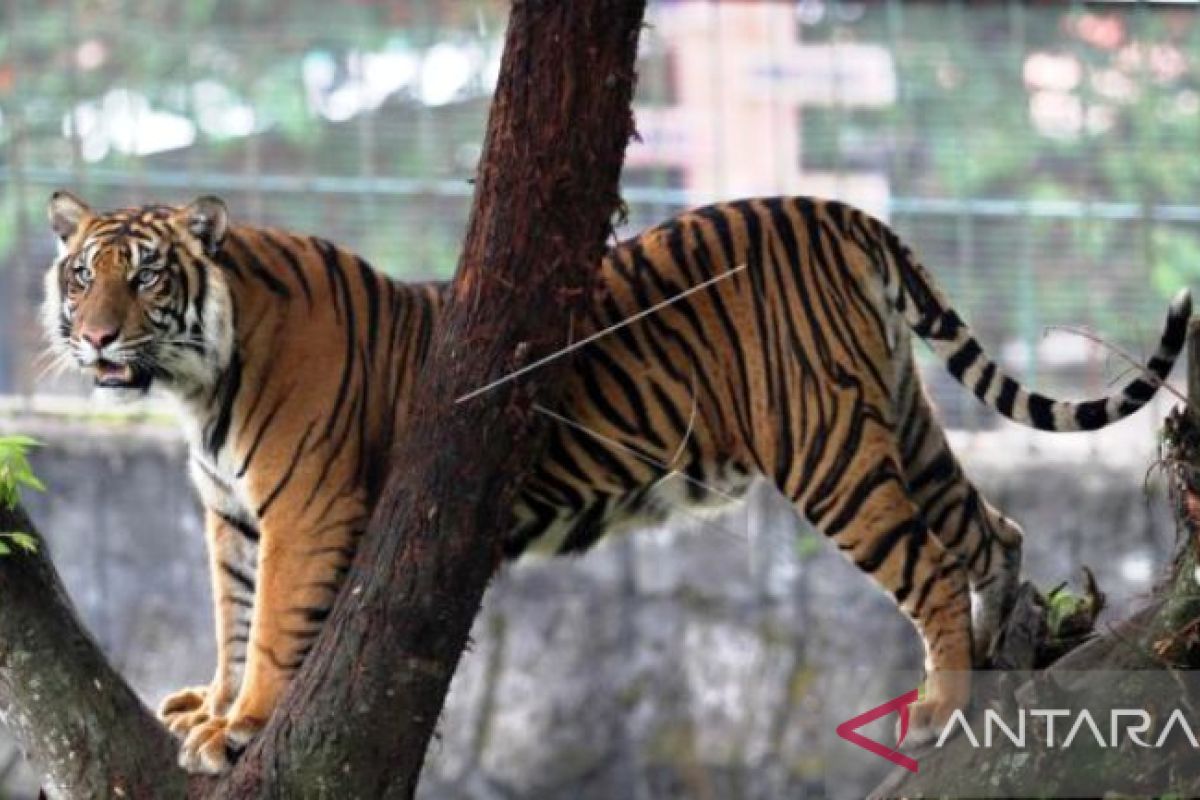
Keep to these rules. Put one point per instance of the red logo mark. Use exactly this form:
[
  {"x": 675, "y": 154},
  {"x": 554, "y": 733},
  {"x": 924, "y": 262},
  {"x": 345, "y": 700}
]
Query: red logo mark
[{"x": 848, "y": 730}]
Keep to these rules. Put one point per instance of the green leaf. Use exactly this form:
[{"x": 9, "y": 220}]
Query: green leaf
[
  {"x": 25, "y": 541},
  {"x": 15, "y": 469},
  {"x": 19, "y": 442},
  {"x": 5, "y": 549},
  {"x": 32, "y": 481}
]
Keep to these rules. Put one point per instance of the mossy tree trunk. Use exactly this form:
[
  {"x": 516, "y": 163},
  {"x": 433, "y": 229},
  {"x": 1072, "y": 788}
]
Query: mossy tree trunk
[{"x": 75, "y": 717}]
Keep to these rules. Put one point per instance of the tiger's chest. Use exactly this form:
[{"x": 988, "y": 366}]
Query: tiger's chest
[
  {"x": 219, "y": 486},
  {"x": 218, "y": 479}
]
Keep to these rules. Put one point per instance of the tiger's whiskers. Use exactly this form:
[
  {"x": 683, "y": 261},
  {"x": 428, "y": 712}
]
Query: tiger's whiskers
[{"x": 691, "y": 426}]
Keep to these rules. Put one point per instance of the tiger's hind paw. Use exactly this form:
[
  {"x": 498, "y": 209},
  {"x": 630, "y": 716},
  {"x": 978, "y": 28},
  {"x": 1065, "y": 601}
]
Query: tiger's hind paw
[
  {"x": 946, "y": 693},
  {"x": 927, "y": 720}
]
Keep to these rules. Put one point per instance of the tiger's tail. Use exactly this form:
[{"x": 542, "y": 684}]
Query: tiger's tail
[{"x": 927, "y": 311}]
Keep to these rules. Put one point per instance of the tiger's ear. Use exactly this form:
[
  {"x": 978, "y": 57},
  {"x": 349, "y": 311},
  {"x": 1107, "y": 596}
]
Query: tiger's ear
[
  {"x": 207, "y": 219},
  {"x": 66, "y": 211}
]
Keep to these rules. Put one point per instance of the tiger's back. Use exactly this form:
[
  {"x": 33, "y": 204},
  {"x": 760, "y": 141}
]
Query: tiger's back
[{"x": 718, "y": 386}]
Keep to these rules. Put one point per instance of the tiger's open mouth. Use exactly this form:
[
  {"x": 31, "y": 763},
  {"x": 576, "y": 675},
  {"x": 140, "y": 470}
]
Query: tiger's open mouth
[{"x": 110, "y": 375}]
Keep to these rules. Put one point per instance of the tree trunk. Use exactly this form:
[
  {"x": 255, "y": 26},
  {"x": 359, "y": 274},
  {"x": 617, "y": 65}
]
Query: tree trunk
[
  {"x": 547, "y": 190},
  {"x": 360, "y": 714}
]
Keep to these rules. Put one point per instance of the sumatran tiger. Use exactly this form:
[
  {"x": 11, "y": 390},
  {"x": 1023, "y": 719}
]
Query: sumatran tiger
[{"x": 293, "y": 363}]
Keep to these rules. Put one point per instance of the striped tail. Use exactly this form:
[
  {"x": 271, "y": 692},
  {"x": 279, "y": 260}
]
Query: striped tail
[{"x": 928, "y": 312}]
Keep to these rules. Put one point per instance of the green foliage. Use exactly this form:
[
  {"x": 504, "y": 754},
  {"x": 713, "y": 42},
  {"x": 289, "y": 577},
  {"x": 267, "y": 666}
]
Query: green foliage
[
  {"x": 963, "y": 125},
  {"x": 25, "y": 541},
  {"x": 15, "y": 474},
  {"x": 15, "y": 471},
  {"x": 1069, "y": 614},
  {"x": 976, "y": 84},
  {"x": 210, "y": 61},
  {"x": 1177, "y": 261}
]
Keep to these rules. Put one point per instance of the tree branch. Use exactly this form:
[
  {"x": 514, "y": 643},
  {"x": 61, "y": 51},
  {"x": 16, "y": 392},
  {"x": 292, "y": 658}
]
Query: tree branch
[{"x": 74, "y": 716}]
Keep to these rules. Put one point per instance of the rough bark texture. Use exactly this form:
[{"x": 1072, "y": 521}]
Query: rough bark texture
[
  {"x": 74, "y": 715},
  {"x": 547, "y": 191},
  {"x": 1100, "y": 668},
  {"x": 362, "y": 710}
]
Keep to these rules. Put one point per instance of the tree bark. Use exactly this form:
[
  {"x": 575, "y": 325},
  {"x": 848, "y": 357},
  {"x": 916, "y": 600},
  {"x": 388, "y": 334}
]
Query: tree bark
[
  {"x": 547, "y": 190},
  {"x": 74, "y": 716},
  {"x": 360, "y": 714}
]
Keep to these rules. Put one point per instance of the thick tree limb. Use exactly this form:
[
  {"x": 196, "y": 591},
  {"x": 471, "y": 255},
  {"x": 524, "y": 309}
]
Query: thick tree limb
[
  {"x": 74, "y": 715},
  {"x": 363, "y": 708}
]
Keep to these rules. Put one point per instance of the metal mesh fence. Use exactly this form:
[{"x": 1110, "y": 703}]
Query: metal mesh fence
[{"x": 1038, "y": 156}]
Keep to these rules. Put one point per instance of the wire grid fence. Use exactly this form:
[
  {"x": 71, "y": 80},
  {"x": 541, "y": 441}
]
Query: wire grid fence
[{"x": 1037, "y": 156}]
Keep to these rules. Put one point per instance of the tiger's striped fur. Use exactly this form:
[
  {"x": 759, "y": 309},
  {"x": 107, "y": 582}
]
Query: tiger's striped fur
[{"x": 797, "y": 368}]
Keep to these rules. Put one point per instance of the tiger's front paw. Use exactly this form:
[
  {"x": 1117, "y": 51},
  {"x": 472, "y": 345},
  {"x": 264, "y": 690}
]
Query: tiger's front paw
[
  {"x": 212, "y": 746},
  {"x": 184, "y": 710}
]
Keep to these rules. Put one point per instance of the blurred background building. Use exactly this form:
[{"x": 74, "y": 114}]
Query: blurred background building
[{"x": 1039, "y": 156}]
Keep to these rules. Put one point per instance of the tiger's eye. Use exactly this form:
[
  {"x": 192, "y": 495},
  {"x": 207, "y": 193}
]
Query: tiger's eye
[{"x": 147, "y": 278}]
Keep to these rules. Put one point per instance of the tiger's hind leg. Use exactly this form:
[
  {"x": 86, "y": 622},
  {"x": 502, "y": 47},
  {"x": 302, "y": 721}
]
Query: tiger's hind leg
[
  {"x": 987, "y": 542},
  {"x": 989, "y": 545},
  {"x": 875, "y": 523}
]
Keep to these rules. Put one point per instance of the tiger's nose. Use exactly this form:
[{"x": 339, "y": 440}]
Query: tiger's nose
[{"x": 99, "y": 337}]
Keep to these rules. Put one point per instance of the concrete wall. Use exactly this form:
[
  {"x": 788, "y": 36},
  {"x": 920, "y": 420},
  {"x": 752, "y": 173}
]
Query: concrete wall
[{"x": 711, "y": 660}]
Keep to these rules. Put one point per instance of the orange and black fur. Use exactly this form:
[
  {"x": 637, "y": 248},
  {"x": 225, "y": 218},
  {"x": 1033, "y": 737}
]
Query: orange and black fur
[{"x": 293, "y": 363}]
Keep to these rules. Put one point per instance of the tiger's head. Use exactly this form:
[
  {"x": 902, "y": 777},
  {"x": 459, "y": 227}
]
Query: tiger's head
[{"x": 135, "y": 297}]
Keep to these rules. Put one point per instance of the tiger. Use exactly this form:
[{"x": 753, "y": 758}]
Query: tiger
[{"x": 762, "y": 338}]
